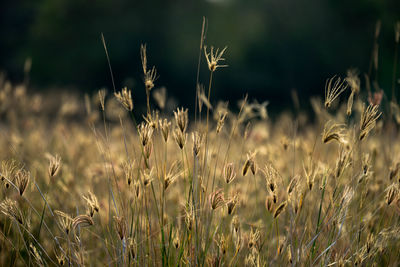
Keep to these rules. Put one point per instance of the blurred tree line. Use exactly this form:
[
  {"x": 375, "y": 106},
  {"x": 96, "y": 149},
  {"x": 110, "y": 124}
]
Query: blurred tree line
[{"x": 273, "y": 46}]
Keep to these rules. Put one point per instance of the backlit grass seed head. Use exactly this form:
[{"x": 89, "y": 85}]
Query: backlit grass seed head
[
  {"x": 214, "y": 58},
  {"x": 102, "y": 96},
  {"x": 125, "y": 98},
  {"x": 9, "y": 208},
  {"x": 120, "y": 226},
  {"x": 8, "y": 169},
  {"x": 229, "y": 172},
  {"x": 172, "y": 175},
  {"x": 93, "y": 204},
  {"x": 392, "y": 193},
  {"x": 293, "y": 184},
  {"x": 150, "y": 75},
  {"x": 21, "y": 180},
  {"x": 180, "y": 138},
  {"x": 128, "y": 168},
  {"x": 197, "y": 142},
  {"x": 310, "y": 173},
  {"x": 254, "y": 239},
  {"x": 394, "y": 171},
  {"x": 152, "y": 119},
  {"x": 333, "y": 88},
  {"x": 64, "y": 220},
  {"x": 60, "y": 256},
  {"x": 217, "y": 199},
  {"x": 333, "y": 131},
  {"x": 145, "y": 133},
  {"x": 231, "y": 204},
  {"x": 181, "y": 119},
  {"x": 221, "y": 121},
  {"x": 343, "y": 162},
  {"x": 269, "y": 203},
  {"x": 147, "y": 176},
  {"x": 36, "y": 255},
  {"x": 54, "y": 165},
  {"x": 280, "y": 209},
  {"x": 249, "y": 164},
  {"x": 82, "y": 221},
  {"x": 165, "y": 127},
  {"x": 368, "y": 120},
  {"x": 271, "y": 175}
]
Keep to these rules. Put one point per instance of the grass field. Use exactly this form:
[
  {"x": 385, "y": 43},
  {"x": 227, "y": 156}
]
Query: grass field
[{"x": 86, "y": 183}]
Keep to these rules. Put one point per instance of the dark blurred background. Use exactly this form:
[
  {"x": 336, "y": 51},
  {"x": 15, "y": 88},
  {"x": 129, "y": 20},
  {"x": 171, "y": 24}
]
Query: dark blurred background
[{"x": 273, "y": 46}]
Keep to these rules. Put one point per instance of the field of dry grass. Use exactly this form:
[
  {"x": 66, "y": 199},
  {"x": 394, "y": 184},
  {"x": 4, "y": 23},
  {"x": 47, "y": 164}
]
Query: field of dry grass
[{"x": 85, "y": 183}]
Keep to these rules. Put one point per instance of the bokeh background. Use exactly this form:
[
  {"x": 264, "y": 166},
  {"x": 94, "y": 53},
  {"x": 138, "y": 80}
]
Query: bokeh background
[{"x": 273, "y": 46}]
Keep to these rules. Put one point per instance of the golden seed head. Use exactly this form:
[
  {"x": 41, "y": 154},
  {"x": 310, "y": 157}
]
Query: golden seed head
[
  {"x": 180, "y": 137},
  {"x": 197, "y": 142},
  {"x": 269, "y": 203},
  {"x": 8, "y": 170},
  {"x": 293, "y": 184},
  {"x": 102, "y": 96},
  {"x": 82, "y": 220},
  {"x": 21, "y": 180},
  {"x": 128, "y": 168},
  {"x": 93, "y": 204},
  {"x": 249, "y": 164},
  {"x": 120, "y": 226},
  {"x": 333, "y": 88},
  {"x": 9, "y": 208},
  {"x": 221, "y": 120},
  {"x": 368, "y": 120},
  {"x": 280, "y": 209},
  {"x": 214, "y": 58},
  {"x": 64, "y": 220},
  {"x": 229, "y": 172},
  {"x": 125, "y": 98},
  {"x": 54, "y": 165},
  {"x": 172, "y": 175},
  {"x": 147, "y": 176},
  {"x": 217, "y": 199},
  {"x": 392, "y": 193},
  {"x": 165, "y": 126},
  {"x": 344, "y": 160},
  {"x": 333, "y": 131},
  {"x": 181, "y": 119},
  {"x": 149, "y": 75},
  {"x": 145, "y": 133},
  {"x": 232, "y": 203},
  {"x": 394, "y": 171}
]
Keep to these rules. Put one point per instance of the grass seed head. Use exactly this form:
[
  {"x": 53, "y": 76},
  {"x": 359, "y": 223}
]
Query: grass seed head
[
  {"x": 54, "y": 165},
  {"x": 280, "y": 209},
  {"x": 214, "y": 58},
  {"x": 333, "y": 88},
  {"x": 22, "y": 178},
  {"x": 125, "y": 98},
  {"x": 368, "y": 120},
  {"x": 9, "y": 208},
  {"x": 181, "y": 119},
  {"x": 217, "y": 199},
  {"x": 229, "y": 172},
  {"x": 165, "y": 126},
  {"x": 180, "y": 138},
  {"x": 92, "y": 203}
]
